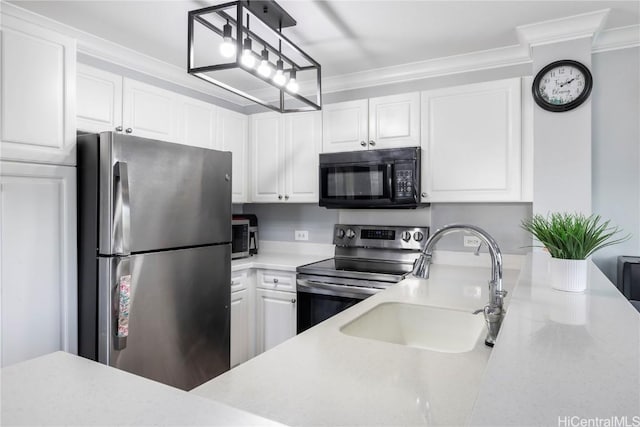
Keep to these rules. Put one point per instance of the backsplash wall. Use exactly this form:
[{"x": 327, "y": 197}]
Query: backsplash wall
[{"x": 278, "y": 222}]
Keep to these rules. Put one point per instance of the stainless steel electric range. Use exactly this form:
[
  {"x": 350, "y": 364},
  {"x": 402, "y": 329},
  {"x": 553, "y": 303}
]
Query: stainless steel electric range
[{"x": 368, "y": 259}]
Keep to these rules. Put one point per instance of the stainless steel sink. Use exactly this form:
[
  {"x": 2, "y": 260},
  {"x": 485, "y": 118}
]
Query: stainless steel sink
[{"x": 419, "y": 326}]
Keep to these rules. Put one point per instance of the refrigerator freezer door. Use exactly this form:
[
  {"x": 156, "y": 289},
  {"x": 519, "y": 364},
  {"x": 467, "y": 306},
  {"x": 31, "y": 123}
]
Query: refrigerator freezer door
[
  {"x": 178, "y": 314},
  {"x": 178, "y": 196}
]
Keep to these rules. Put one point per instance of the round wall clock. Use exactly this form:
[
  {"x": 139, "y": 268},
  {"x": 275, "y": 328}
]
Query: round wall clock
[{"x": 562, "y": 85}]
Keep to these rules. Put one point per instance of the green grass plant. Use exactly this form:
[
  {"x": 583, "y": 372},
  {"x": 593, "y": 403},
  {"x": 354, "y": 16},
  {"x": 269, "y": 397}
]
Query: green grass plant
[{"x": 572, "y": 235}]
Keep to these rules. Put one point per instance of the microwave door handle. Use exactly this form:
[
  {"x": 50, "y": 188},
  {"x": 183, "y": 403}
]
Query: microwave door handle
[
  {"x": 122, "y": 211},
  {"x": 390, "y": 181}
]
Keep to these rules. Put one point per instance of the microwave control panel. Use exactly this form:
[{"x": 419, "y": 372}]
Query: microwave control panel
[{"x": 404, "y": 180}]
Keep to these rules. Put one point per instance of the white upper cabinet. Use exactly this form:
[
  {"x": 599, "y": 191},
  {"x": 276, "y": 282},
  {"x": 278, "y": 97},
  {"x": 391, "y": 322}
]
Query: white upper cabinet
[
  {"x": 38, "y": 69},
  {"x": 38, "y": 258},
  {"x": 345, "y": 126},
  {"x": 383, "y": 122},
  {"x": 471, "y": 143},
  {"x": 394, "y": 121},
  {"x": 198, "y": 123},
  {"x": 149, "y": 111},
  {"x": 99, "y": 100},
  {"x": 302, "y": 140},
  {"x": 284, "y": 151},
  {"x": 232, "y": 135},
  {"x": 267, "y": 180}
]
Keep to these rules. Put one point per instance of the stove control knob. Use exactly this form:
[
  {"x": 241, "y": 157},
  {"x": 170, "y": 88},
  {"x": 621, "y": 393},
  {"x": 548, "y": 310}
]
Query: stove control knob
[
  {"x": 406, "y": 236},
  {"x": 351, "y": 234},
  {"x": 418, "y": 236},
  {"x": 340, "y": 233}
]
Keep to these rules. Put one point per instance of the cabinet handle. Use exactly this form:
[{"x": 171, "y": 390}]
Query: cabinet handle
[
  {"x": 279, "y": 196},
  {"x": 275, "y": 280},
  {"x": 286, "y": 197},
  {"x": 128, "y": 130},
  {"x": 363, "y": 143},
  {"x": 293, "y": 300},
  {"x": 118, "y": 128},
  {"x": 424, "y": 194},
  {"x": 233, "y": 282},
  {"x": 372, "y": 143}
]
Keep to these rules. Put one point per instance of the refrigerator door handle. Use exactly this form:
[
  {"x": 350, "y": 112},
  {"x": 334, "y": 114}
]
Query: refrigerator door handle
[
  {"x": 122, "y": 304},
  {"x": 121, "y": 214}
]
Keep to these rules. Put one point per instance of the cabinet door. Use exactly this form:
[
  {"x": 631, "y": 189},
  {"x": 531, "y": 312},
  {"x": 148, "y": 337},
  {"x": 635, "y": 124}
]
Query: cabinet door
[
  {"x": 302, "y": 140},
  {"x": 99, "y": 100},
  {"x": 38, "y": 81},
  {"x": 38, "y": 249},
  {"x": 471, "y": 143},
  {"x": 267, "y": 182},
  {"x": 239, "y": 327},
  {"x": 198, "y": 121},
  {"x": 394, "y": 121},
  {"x": 232, "y": 132},
  {"x": 276, "y": 318},
  {"x": 345, "y": 126},
  {"x": 149, "y": 111}
]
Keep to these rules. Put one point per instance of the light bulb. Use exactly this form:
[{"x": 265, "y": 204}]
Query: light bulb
[
  {"x": 279, "y": 78},
  {"x": 227, "y": 48},
  {"x": 248, "y": 60},
  {"x": 292, "y": 86},
  {"x": 265, "y": 68}
]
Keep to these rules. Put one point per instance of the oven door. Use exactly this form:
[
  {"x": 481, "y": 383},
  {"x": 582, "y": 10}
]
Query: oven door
[
  {"x": 356, "y": 184},
  {"x": 318, "y": 301}
]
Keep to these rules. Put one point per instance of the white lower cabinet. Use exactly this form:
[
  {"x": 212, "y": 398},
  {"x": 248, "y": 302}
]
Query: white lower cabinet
[
  {"x": 242, "y": 317},
  {"x": 275, "y": 318},
  {"x": 38, "y": 258},
  {"x": 239, "y": 327},
  {"x": 275, "y": 308}
]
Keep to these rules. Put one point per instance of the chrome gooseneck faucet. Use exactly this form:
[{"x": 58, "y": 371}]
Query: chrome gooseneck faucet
[{"x": 493, "y": 311}]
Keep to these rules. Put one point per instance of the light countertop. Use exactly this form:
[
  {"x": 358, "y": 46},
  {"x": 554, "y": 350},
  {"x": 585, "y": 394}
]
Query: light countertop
[
  {"x": 324, "y": 377},
  {"x": 562, "y": 354},
  {"x": 558, "y": 355},
  {"x": 284, "y": 256},
  {"x": 63, "y": 389}
]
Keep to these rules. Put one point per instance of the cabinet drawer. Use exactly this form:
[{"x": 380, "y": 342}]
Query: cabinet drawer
[
  {"x": 278, "y": 280},
  {"x": 239, "y": 280}
]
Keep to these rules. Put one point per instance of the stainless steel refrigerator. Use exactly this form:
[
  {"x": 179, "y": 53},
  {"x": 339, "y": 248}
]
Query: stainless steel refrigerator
[{"x": 154, "y": 257}]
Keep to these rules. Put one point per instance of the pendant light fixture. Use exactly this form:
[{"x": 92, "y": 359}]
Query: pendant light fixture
[
  {"x": 291, "y": 83},
  {"x": 248, "y": 58}
]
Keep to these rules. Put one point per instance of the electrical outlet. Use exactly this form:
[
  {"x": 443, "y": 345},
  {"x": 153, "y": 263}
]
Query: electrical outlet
[
  {"x": 301, "y": 235},
  {"x": 471, "y": 241}
]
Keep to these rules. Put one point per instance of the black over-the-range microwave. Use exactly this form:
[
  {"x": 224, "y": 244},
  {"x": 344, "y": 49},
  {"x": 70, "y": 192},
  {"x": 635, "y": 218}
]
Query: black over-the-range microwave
[{"x": 388, "y": 178}]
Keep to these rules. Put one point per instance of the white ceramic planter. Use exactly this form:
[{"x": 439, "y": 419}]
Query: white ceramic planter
[{"x": 568, "y": 274}]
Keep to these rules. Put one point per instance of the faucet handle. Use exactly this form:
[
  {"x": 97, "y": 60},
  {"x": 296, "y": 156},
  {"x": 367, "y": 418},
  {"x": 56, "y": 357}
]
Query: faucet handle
[{"x": 480, "y": 310}]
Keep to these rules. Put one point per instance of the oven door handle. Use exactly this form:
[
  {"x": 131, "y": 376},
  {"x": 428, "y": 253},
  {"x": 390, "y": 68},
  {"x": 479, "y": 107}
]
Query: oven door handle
[{"x": 314, "y": 287}]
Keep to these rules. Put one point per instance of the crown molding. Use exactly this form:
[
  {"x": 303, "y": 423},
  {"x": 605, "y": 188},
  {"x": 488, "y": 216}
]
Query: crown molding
[
  {"x": 562, "y": 29},
  {"x": 617, "y": 38},
  {"x": 557, "y": 30}
]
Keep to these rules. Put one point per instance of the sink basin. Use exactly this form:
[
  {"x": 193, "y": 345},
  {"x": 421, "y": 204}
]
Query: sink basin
[{"x": 431, "y": 328}]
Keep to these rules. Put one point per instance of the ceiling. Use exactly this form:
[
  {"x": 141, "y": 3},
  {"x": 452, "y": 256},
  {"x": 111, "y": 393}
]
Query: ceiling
[{"x": 344, "y": 36}]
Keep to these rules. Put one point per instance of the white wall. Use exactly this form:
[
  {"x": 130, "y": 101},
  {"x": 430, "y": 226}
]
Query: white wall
[
  {"x": 616, "y": 149},
  {"x": 562, "y": 142}
]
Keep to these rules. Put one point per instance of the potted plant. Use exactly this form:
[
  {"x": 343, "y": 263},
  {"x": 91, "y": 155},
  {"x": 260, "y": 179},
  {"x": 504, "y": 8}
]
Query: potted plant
[{"x": 571, "y": 238}]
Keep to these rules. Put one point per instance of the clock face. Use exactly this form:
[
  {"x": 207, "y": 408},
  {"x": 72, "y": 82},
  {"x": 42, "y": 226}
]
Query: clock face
[{"x": 562, "y": 85}]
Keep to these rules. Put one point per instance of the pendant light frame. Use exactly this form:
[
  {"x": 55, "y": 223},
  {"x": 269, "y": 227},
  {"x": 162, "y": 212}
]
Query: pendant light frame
[{"x": 274, "y": 19}]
